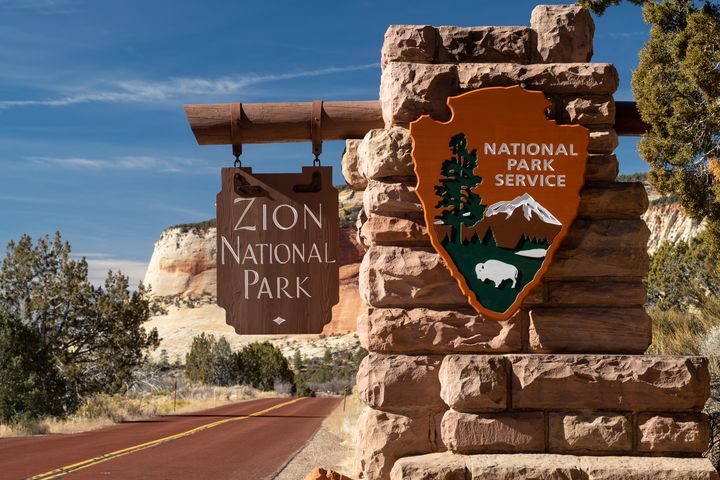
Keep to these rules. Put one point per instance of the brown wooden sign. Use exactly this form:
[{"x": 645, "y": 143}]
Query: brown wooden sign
[
  {"x": 500, "y": 186},
  {"x": 277, "y": 248}
]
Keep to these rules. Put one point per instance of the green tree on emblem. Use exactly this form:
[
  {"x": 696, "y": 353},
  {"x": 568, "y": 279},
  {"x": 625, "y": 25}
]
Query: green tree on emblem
[{"x": 460, "y": 204}]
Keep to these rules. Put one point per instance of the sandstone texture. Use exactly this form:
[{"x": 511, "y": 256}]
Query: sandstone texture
[
  {"x": 609, "y": 382},
  {"x": 396, "y": 199},
  {"x": 409, "y": 90},
  {"x": 564, "y": 33},
  {"x": 183, "y": 263},
  {"x": 422, "y": 330},
  {"x": 474, "y": 383},
  {"x": 679, "y": 433},
  {"x": 446, "y": 466},
  {"x": 589, "y": 110},
  {"x": 322, "y": 474},
  {"x": 498, "y": 432},
  {"x": 409, "y": 43},
  {"x": 385, "y": 153},
  {"x": 613, "y": 200},
  {"x": 669, "y": 222},
  {"x": 384, "y": 437},
  {"x": 589, "y": 433},
  {"x": 382, "y": 230},
  {"x": 401, "y": 276},
  {"x": 400, "y": 382},
  {"x": 629, "y": 292},
  {"x": 350, "y": 170},
  {"x": 601, "y": 168},
  {"x": 596, "y": 330},
  {"x": 484, "y": 44}
]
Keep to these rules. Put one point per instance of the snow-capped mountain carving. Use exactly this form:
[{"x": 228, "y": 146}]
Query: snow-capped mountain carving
[
  {"x": 512, "y": 220},
  {"x": 530, "y": 208}
]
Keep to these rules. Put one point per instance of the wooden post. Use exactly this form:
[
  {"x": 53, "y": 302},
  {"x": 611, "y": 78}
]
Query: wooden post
[
  {"x": 291, "y": 122},
  {"x": 175, "y": 395}
]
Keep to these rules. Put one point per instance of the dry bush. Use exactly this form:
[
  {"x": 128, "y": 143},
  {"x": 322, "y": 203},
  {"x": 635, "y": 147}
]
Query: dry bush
[{"x": 342, "y": 423}]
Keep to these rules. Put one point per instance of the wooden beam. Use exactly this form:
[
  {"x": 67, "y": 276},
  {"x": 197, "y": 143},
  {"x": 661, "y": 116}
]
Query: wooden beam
[
  {"x": 283, "y": 122},
  {"x": 290, "y": 122}
]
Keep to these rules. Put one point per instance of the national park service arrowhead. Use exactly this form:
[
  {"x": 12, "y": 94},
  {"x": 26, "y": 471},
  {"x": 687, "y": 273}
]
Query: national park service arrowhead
[{"x": 500, "y": 186}]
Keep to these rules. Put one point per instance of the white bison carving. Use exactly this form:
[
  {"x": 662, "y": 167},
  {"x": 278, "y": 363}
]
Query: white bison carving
[{"x": 496, "y": 271}]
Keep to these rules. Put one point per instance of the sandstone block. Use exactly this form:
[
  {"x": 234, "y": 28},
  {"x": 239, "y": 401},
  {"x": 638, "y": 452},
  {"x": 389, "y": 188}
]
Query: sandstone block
[
  {"x": 396, "y": 199},
  {"x": 603, "y": 140},
  {"x": 589, "y": 330},
  {"x": 564, "y": 33},
  {"x": 382, "y": 230},
  {"x": 500, "y": 432},
  {"x": 400, "y": 382},
  {"x": 613, "y": 200},
  {"x": 409, "y": 90},
  {"x": 434, "y": 466},
  {"x": 409, "y": 43},
  {"x": 609, "y": 382},
  {"x": 421, "y": 330},
  {"x": 562, "y": 78},
  {"x": 597, "y": 292},
  {"x": 589, "y": 433},
  {"x": 350, "y": 169},
  {"x": 484, "y": 44},
  {"x": 405, "y": 277},
  {"x": 602, "y": 248},
  {"x": 678, "y": 433},
  {"x": 384, "y": 437},
  {"x": 589, "y": 110},
  {"x": 601, "y": 168},
  {"x": 385, "y": 152},
  {"x": 474, "y": 383}
]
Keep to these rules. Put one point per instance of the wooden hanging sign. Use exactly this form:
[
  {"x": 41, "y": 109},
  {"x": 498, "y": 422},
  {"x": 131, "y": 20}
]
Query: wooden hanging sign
[
  {"x": 500, "y": 186},
  {"x": 277, "y": 250}
]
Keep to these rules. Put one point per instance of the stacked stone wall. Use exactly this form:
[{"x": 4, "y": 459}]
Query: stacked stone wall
[{"x": 562, "y": 384}]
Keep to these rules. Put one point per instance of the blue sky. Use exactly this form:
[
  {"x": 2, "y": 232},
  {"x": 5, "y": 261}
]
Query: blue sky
[{"x": 93, "y": 138}]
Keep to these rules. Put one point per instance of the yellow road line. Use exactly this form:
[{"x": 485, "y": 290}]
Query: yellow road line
[{"x": 58, "y": 472}]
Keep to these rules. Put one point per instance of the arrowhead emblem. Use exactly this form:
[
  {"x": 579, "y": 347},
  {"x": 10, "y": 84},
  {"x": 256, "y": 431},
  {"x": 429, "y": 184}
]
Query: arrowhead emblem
[
  {"x": 500, "y": 186},
  {"x": 279, "y": 320}
]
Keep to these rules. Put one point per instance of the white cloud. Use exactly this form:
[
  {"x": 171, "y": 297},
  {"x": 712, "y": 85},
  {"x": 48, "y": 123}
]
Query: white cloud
[
  {"x": 40, "y": 6},
  {"x": 99, "y": 264},
  {"x": 128, "y": 91},
  {"x": 140, "y": 162}
]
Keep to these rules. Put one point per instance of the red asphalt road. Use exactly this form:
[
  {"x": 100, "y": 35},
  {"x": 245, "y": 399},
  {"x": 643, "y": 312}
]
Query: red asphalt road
[{"x": 253, "y": 448}]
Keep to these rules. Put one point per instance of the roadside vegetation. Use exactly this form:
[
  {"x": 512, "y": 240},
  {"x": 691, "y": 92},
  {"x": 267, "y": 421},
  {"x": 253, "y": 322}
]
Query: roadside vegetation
[
  {"x": 75, "y": 357},
  {"x": 684, "y": 304}
]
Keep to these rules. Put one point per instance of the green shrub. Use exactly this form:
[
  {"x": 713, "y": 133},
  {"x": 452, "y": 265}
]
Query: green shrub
[
  {"x": 262, "y": 365},
  {"x": 31, "y": 386}
]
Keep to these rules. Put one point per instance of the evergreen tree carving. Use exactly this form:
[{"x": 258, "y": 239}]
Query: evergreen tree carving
[{"x": 460, "y": 204}]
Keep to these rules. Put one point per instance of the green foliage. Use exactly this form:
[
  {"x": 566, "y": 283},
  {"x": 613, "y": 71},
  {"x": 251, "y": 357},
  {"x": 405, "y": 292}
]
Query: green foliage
[
  {"x": 261, "y": 365},
  {"x": 682, "y": 275},
  {"x": 187, "y": 227},
  {"x": 460, "y": 204},
  {"x": 297, "y": 361},
  {"x": 332, "y": 372},
  {"x": 31, "y": 386},
  {"x": 599, "y": 6},
  {"x": 95, "y": 335},
  {"x": 632, "y": 177},
  {"x": 677, "y": 88}
]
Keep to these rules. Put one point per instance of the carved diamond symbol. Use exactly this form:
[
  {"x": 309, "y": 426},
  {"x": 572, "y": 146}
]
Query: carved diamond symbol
[{"x": 279, "y": 320}]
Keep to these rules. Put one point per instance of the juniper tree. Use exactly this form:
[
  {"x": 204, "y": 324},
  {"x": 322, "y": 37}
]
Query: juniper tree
[
  {"x": 460, "y": 204},
  {"x": 677, "y": 88},
  {"x": 94, "y": 335}
]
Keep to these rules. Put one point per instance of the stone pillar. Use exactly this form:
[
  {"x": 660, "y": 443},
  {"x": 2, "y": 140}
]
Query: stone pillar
[{"x": 561, "y": 389}]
